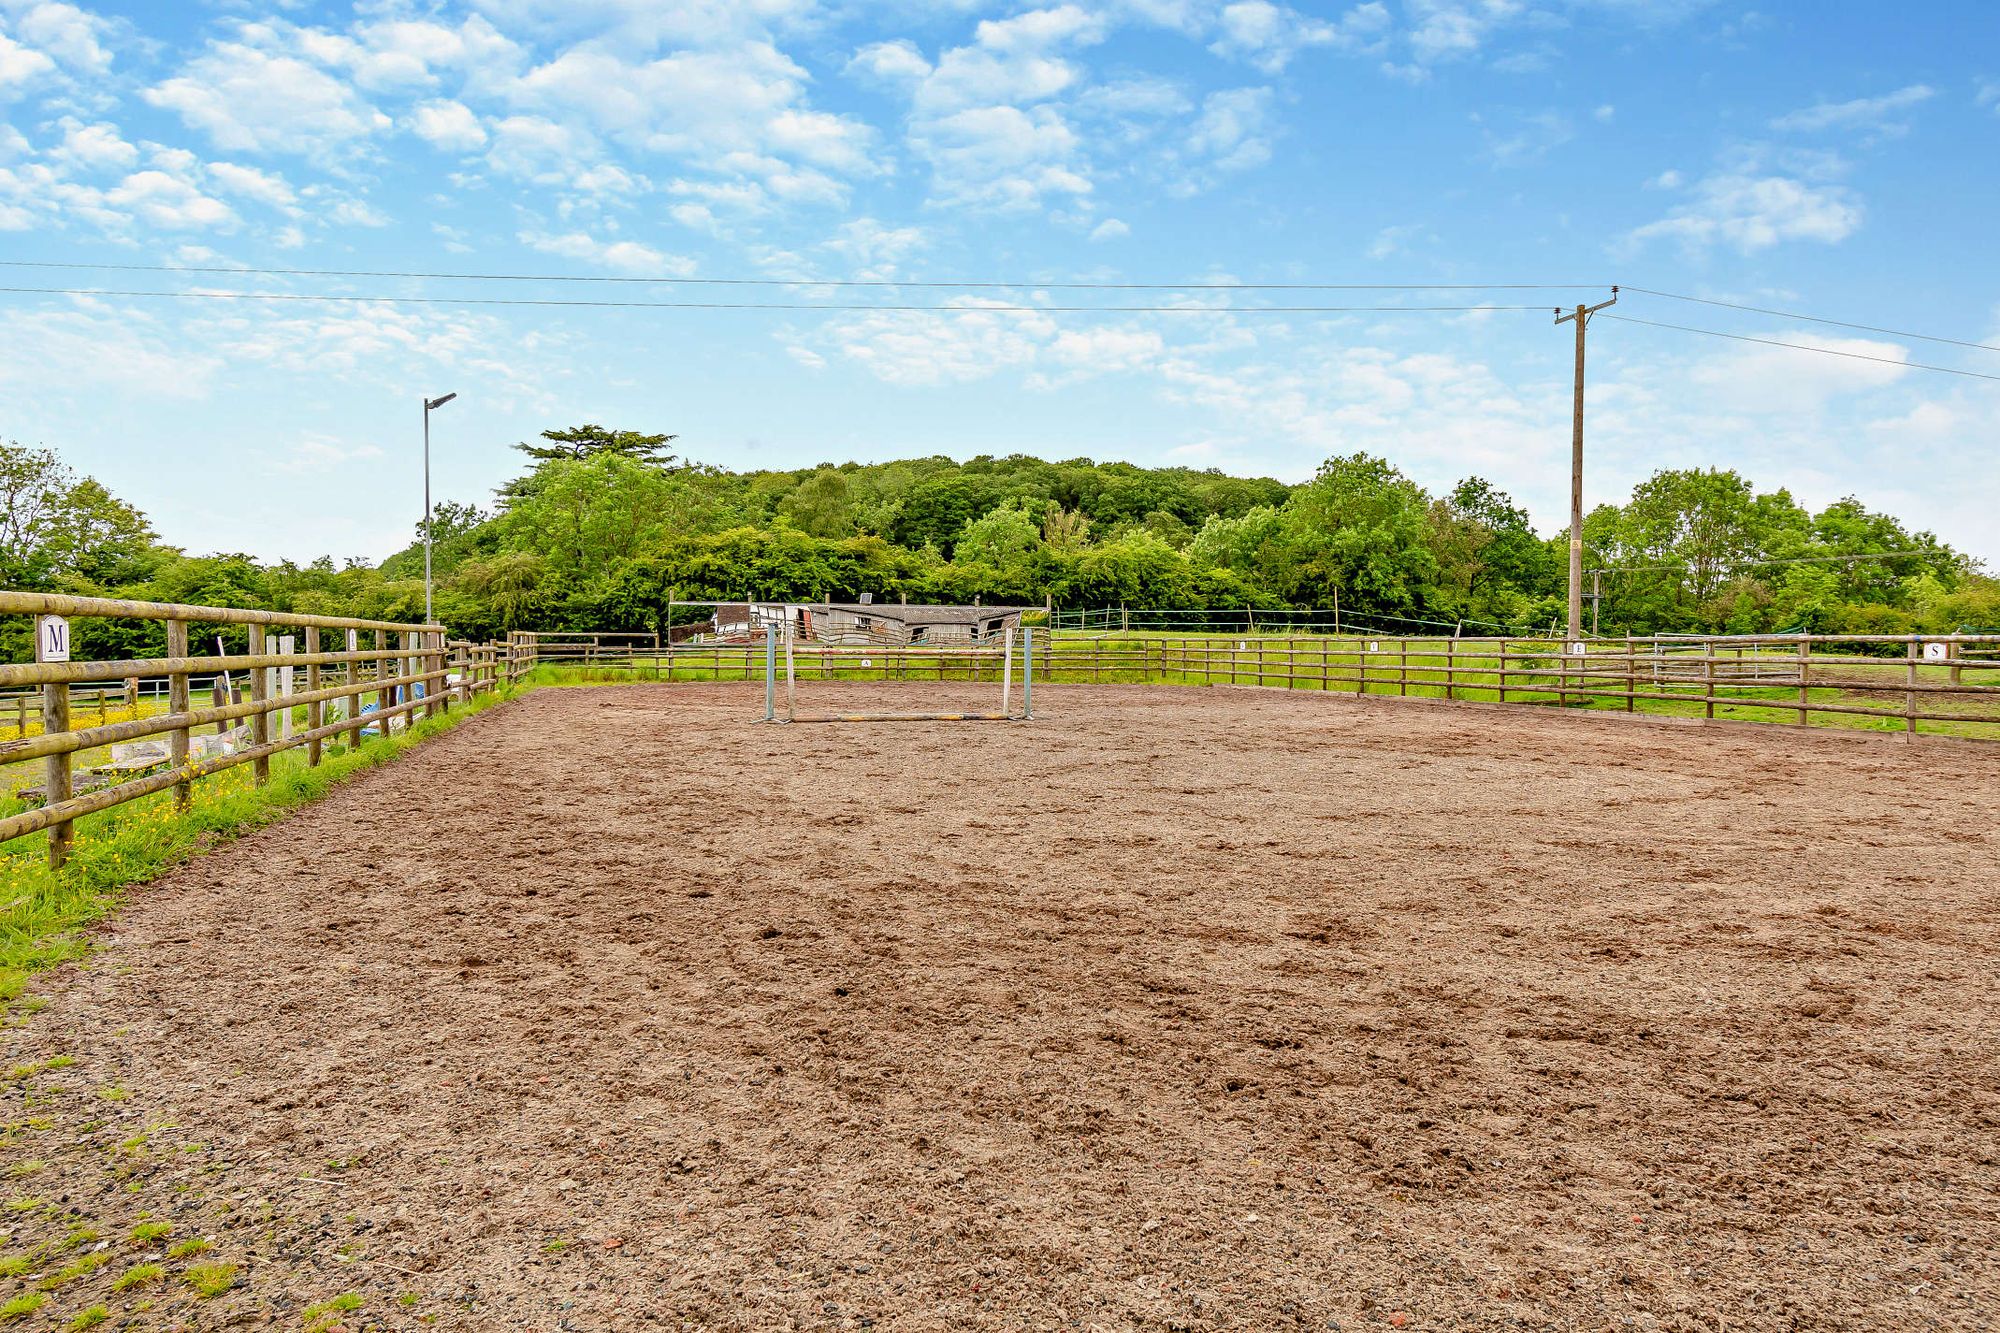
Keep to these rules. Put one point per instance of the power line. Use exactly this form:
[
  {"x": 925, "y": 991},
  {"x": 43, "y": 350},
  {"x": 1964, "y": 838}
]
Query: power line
[
  {"x": 1803, "y": 347},
  {"x": 1815, "y": 319},
  {"x": 1758, "y": 562},
  {"x": 818, "y": 282},
  {"x": 782, "y": 305}
]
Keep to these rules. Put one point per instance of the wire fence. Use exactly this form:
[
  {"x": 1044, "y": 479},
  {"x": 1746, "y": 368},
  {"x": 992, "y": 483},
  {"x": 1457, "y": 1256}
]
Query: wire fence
[
  {"x": 1259, "y": 620},
  {"x": 1944, "y": 685}
]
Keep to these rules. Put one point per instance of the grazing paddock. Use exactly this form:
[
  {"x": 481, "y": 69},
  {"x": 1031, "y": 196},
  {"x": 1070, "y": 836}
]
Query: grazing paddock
[{"x": 1180, "y": 1008}]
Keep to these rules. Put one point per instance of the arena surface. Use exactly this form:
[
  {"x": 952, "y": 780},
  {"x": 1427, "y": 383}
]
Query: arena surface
[{"x": 1179, "y": 1008}]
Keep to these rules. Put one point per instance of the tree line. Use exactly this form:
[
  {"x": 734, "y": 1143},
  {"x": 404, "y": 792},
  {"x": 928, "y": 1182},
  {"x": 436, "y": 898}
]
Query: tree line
[{"x": 605, "y": 529}]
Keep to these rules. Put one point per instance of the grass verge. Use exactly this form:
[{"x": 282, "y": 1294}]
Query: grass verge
[{"x": 43, "y": 913}]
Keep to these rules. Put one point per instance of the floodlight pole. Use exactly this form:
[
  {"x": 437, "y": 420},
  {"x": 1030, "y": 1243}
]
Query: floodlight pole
[
  {"x": 429, "y": 405},
  {"x": 1581, "y": 315}
]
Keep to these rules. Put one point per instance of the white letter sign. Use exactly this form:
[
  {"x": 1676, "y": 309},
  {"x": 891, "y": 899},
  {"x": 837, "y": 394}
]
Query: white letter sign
[{"x": 51, "y": 639}]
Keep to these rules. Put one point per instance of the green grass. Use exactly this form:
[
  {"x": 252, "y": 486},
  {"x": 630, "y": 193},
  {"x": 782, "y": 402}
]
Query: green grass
[
  {"x": 76, "y": 1268},
  {"x": 43, "y": 913},
  {"x": 146, "y": 1233},
  {"x": 140, "y": 1276},
  {"x": 23, "y": 1305},
  {"x": 90, "y": 1318},
  {"x": 210, "y": 1280},
  {"x": 325, "y": 1315}
]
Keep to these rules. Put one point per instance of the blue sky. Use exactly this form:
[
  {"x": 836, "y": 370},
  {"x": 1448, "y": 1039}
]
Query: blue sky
[{"x": 1834, "y": 158}]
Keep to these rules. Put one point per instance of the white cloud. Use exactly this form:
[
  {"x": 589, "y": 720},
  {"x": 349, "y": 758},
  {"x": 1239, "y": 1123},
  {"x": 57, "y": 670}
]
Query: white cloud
[
  {"x": 920, "y": 349},
  {"x": 739, "y": 114},
  {"x": 1451, "y": 29},
  {"x": 448, "y": 125},
  {"x": 320, "y": 454},
  {"x": 1756, "y": 378},
  {"x": 405, "y": 55},
  {"x": 540, "y": 150},
  {"x": 356, "y": 213},
  {"x": 249, "y": 183},
  {"x": 251, "y": 100},
  {"x": 622, "y": 256},
  {"x": 1526, "y": 138},
  {"x": 1879, "y": 115},
  {"x": 19, "y": 64},
  {"x": 1752, "y": 213},
  {"x": 1111, "y": 229},
  {"x": 890, "y": 62},
  {"x": 67, "y": 33},
  {"x": 1269, "y": 35},
  {"x": 876, "y": 248},
  {"x": 1233, "y": 130},
  {"x": 1003, "y": 155},
  {"x": 1392, "y": 241},
  {"x": 94, "y": 147},
  {"x": 169, "y": 202}
]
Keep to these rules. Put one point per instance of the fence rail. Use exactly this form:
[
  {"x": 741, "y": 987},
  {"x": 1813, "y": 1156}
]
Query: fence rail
[
  {"x": 1906, "y": 683},
  {"x": 409, "y": 669}
]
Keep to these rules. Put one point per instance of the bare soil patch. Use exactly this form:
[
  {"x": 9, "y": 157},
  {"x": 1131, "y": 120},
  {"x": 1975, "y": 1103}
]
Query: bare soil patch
[{"x": 1203, "y": 1009}]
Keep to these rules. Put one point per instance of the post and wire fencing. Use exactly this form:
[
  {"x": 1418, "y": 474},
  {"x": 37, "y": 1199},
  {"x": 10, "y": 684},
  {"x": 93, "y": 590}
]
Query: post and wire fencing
[
  {"x": 1911, "y": 685},
  {"x": 358, "y": 678}
]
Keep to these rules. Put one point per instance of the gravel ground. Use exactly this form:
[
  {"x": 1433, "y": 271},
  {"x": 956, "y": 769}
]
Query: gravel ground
[{"x": 1178, "y": 1008}]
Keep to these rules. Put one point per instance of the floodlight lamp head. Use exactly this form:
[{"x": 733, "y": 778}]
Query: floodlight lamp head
[{"x": 433, "y": 403}]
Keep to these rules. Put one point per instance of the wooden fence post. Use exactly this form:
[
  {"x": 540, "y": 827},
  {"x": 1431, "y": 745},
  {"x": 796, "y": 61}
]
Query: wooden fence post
[
  {"x": 1910, "y": 694},
  {"x": 178, "y": 702},
  {"x": 1708, "y": 680},
  {"x": 260, "y": 694},
  {"x": 56, "y": 767},
  {"x": 1805, "y": 657},
  {"x": 435, "y": 688},
  {"x": 315, "y": 709},
  {"x": 1631, "y": 675},
  {"x": 1451, "y": 667}
]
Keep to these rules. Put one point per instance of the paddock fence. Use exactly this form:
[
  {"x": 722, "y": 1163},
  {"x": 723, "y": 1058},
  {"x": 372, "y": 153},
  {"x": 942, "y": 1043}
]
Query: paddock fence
[
  {"x": 1910, "y": 684},
  {"x": 151, "y": 735}
]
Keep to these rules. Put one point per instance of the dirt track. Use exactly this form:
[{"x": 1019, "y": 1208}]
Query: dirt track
[{"x": 1179, "y": 1008}]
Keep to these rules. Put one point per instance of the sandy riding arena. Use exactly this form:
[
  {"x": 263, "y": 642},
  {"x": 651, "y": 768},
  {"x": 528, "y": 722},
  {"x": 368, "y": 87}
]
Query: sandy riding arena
[{"x": 1176, "y": 1009}]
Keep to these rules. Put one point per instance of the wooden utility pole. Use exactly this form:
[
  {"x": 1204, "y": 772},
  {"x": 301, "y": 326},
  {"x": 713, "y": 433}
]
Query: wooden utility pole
[{"x": 1581, "y": 315}]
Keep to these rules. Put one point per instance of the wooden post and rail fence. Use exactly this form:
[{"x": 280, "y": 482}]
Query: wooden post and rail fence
[
  {"x": 408, "y": 669},
  {"x": 1908, "y": 682}
]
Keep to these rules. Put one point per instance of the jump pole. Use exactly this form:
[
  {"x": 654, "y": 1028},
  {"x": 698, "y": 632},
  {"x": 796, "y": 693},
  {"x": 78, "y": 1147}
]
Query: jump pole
[
  {"x": 1006, "y": 669},
  {"x": 770, "y": 672}
]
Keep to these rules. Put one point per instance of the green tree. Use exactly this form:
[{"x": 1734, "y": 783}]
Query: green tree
[
  {"x": 1359, "y": 528},
  {"x": 822, "y": 506},
  {"x": 577, "y": 443},
  {"x": 1005, "y": 538},
  {"x": 57, "y": 528}
]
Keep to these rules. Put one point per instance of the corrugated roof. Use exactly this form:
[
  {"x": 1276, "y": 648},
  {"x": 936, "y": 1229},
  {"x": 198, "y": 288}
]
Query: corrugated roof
[{"x": 927, "y": 615}]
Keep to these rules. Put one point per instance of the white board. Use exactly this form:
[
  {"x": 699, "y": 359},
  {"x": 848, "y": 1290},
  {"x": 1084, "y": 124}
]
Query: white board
[
  {"x": 1937, "y": 652},
  {"x": 287, "y": 644},
  {"x": 1374, "y": 645},
  {"x": 1579, "y": 649},
  {"x": 51, "y": 639}
]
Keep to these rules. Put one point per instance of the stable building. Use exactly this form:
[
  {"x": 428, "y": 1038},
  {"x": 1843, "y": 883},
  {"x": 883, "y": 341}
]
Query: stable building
[{"x": 901, "y": 624}]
